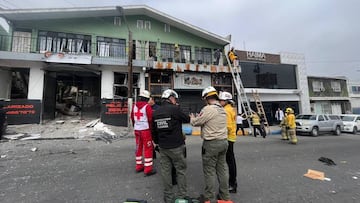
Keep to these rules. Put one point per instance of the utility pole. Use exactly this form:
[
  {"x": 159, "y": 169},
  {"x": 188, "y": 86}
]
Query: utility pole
[{"x": 130, "y": 67}]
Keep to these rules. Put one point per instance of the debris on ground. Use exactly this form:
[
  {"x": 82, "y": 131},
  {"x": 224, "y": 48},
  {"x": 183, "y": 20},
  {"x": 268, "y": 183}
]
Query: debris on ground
[
  {"x": 60, "y": 122},
  {"x": 3, "y": 156},
  {"x": 327, "y": 161},
  {"x": 355, "y": 178},
  {"x": 34, "y": 149},
  {"x": 313, "y": 174}
]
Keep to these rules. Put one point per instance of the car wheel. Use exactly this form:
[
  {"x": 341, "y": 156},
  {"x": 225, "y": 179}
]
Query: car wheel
[
  {"x": 354, "y": 130},
  {"x": 337, "y": 130},
  {"x": 315, "y": 131}
]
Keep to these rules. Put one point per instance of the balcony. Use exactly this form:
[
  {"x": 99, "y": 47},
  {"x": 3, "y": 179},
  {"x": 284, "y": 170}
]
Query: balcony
[{"x": 78, "y": 51}]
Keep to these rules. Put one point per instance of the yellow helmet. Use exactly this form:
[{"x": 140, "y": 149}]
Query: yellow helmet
[{"x": 289, "y": 110}]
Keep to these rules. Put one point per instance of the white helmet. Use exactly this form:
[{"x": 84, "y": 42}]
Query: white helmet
[
  {"x": 226, "y": 96},
  {"x": 168, "y": 93},
  {"x": 208, "y": 92},
  {"x": 145, "y": 94}
]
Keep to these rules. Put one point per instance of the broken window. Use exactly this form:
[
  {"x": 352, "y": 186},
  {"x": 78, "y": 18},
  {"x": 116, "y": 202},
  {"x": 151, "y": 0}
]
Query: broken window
[
  {"x": 203, "y": 55},
  {"x": 121, "y": 84},
  {"x": 19, "y": 84},
  {"x": 160, "y": 81},
  {"x": 111, "y": 47},
  {"x": 64, "y": 42}
]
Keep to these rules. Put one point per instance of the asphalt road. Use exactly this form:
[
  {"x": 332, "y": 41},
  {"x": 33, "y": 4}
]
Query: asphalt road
[{"x": 269, "y": 170}]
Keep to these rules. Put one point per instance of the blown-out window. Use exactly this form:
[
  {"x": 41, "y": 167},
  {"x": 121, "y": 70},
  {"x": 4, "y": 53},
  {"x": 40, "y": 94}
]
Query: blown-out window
[
  {"x": 203, "y": 55},
  {"x": 111, "y": 47},
  {"x": 64, "y": 42}
]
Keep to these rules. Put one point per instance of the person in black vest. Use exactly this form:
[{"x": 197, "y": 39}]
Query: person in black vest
[{"x": 167, "y": 133}]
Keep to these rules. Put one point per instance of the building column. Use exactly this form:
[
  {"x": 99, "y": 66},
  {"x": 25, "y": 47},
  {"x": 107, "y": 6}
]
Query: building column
[
  {"x": 36, "y": 83},
  {"x": 5, "y": 83},
  {"x": 107, "y": 84},
  {"x": 301, "y": 76}
]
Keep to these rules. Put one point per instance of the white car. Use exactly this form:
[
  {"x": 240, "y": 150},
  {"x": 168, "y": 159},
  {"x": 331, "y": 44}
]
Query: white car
[{"x": 351, "y": 122}]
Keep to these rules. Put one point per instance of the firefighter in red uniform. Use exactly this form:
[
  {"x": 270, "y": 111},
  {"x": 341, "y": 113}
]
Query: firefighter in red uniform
[{"x": 141, "y": 117}]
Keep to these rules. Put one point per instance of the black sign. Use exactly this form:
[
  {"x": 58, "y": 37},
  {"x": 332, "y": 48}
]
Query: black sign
[
  {"x": 114, "y": 112},
  {"x": 22, "y": 111}
]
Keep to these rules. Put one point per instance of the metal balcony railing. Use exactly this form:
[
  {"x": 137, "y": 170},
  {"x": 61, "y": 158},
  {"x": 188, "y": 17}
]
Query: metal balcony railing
[{"x": 101, "y": 49}]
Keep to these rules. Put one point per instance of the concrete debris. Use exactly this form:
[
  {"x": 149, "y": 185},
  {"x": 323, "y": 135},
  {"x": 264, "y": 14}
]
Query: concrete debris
[
  {"x": 34, "y": 149},
  {"x": 82, "y": 130},
  {"x": 75, "y": 121},
  {"x": 355, "y": 178},
  {"x": 3, "y": 156},
  {"x": 60, "y": 122},
  {"x": 101, "y": 127},
  {"x": 92, "y": 123},
  {"x": 23, "y": 136}
]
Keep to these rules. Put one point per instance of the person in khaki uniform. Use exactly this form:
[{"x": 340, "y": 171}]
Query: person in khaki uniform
[
  {"x": 291, "y": 126},
  {"x": 212, "y": 120}
]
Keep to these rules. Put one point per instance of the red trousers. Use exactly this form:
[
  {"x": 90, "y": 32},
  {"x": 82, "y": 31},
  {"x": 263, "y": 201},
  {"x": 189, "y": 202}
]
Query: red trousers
[{"x": 144, "y": 145}]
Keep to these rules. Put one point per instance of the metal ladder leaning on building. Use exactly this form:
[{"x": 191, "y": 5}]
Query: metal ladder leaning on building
[
  {"x": 260, "y": 109},
  {"x": 241, "y": 95}
]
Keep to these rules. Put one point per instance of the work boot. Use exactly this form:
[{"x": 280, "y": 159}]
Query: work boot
[
  {"x": 233, "y": 188},
  {"x": 153, "y": 172}
]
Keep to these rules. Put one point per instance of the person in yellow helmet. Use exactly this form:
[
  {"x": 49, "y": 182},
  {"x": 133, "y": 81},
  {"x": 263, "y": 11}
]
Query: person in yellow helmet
[
  {"x": 290, "y": 125},
  {"x": 256, "y": 123},
  {"x": 232, "y": 56}
]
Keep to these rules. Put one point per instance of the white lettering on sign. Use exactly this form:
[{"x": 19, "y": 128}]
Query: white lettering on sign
[{"x": 252, "y": 55}]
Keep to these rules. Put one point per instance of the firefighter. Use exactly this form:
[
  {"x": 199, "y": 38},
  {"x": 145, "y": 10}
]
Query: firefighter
[
  {"x": 232, "y": 56},
  {"x": 226, "y": 101},
  {"x": 256, "y": 123},
  {"x": 284, "y": 131},
  {"x": 212, "y": 119},
  {"x": 167, "y": 133},
  {"x": 141, "y": 117},
  {"x": 291, "y": 126}
]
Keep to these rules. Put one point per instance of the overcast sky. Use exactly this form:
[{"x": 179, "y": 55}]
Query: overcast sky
[{"x": 327, "y": 32}]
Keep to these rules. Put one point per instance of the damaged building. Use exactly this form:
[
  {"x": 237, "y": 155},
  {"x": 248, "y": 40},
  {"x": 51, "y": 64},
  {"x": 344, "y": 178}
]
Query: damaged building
[{"x": 75, "y": 61}]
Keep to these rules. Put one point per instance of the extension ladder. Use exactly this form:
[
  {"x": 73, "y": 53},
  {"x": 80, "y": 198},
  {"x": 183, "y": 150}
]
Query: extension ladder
[
  {"x": 241, "y": 95},
  {"x": 260, "y": 109}
]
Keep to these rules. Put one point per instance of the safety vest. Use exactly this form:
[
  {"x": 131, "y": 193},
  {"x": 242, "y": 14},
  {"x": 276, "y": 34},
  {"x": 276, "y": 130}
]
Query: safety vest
[{"x": 140, "y": 118}]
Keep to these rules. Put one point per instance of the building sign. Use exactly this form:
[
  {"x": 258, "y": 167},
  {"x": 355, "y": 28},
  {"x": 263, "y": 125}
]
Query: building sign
[
  {"x": 191, "y": 81},
  {"x": 67, "y": 58},
  {"x": 114, "y": 112},
  {"x": 22, "y": 111},
  {"x": 258, "y": 56}
]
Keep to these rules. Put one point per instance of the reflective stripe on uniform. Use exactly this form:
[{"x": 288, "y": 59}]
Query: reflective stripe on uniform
[
  {"x": 138, "y": 157},
  {"x": 148, "y": 159},
  {"x": 148, "y": 164}
]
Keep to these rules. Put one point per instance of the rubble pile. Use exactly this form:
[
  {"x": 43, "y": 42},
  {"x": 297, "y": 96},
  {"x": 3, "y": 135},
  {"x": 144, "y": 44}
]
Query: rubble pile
[{"x": 68, "y": 129}]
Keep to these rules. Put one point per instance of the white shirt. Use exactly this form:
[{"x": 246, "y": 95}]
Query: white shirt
[{"x": 239, "y": 119}]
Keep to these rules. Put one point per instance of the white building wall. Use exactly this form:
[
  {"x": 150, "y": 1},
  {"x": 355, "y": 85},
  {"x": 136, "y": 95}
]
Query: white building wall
[
  {"x": 5, "y": 84},
  {"x": 36, "y": 83},
  {"x": 107, "y": 82},
  {"x": 299, "y": 60}
]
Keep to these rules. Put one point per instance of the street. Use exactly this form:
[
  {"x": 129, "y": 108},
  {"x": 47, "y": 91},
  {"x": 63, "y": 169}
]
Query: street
[{"x": 269, "y": 170}]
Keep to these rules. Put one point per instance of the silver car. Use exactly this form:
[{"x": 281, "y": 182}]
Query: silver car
[
  {"x": 351, "y": 122},
  {"x": 313, "y": 124}
]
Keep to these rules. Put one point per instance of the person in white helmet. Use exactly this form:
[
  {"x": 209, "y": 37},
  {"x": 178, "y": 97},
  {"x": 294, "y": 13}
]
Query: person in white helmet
[
  {"x": 226, "y": 101},
  {"x": 141, "y": 117},
  {"x": 212, "y": 120},
  {"x": 167, "y": 133}
]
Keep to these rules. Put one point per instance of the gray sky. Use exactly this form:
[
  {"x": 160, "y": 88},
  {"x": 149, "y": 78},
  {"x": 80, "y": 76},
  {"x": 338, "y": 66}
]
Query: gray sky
[{"x": 326, "y": 31}]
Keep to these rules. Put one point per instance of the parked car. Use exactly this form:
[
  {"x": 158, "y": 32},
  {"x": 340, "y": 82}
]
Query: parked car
[
  {"x": 313, "y": 124},
  {"x": 351, "y": 122}
]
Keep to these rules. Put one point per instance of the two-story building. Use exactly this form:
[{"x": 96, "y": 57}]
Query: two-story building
[
  {"x": 328, "y": 95},
  {"x": 354, "y": 95},
  {"x": 75, "y": 61}
]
